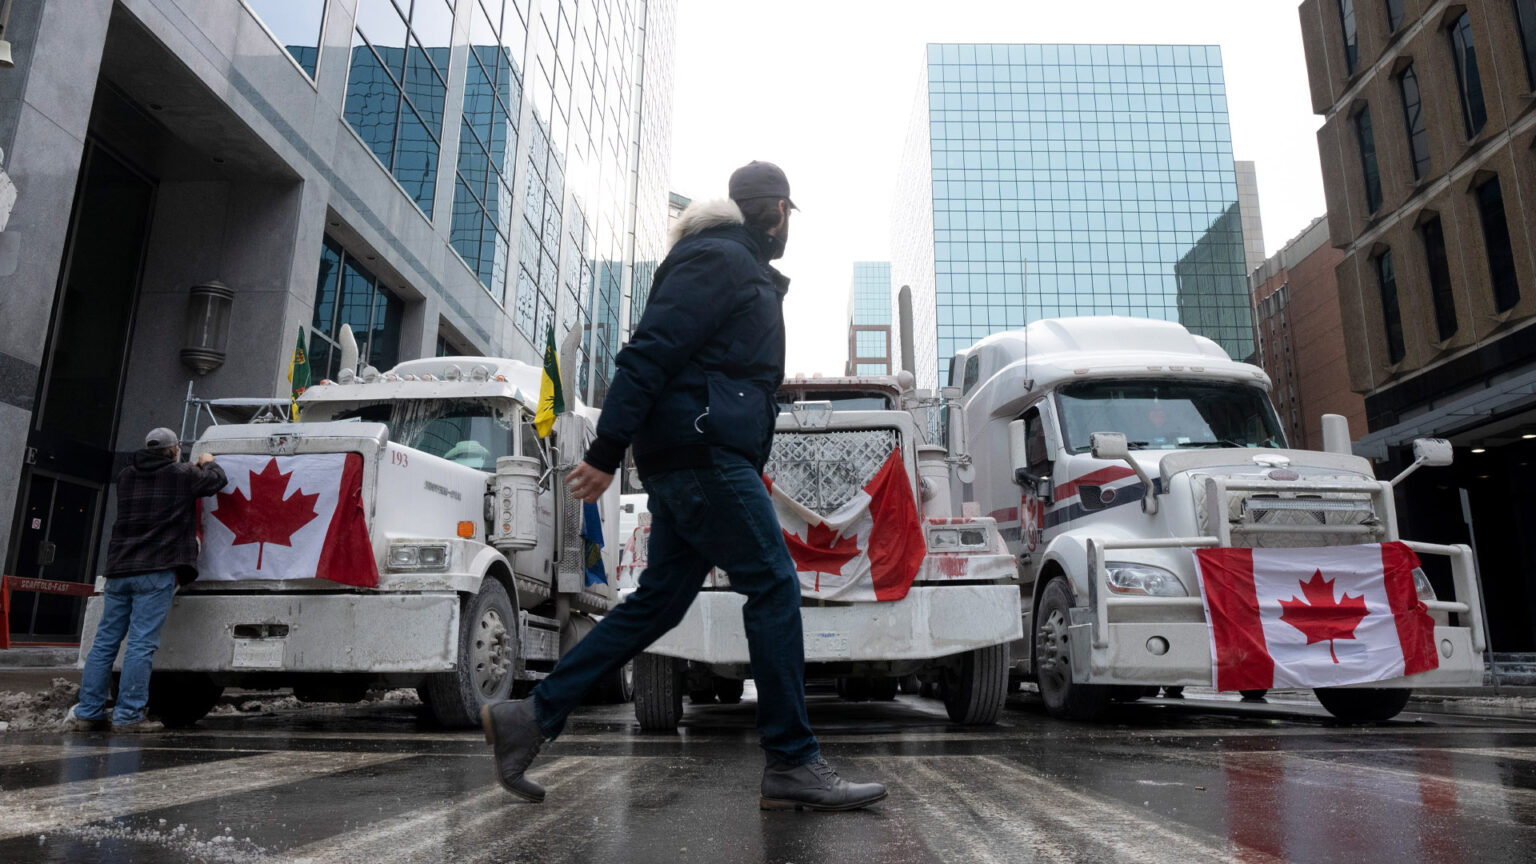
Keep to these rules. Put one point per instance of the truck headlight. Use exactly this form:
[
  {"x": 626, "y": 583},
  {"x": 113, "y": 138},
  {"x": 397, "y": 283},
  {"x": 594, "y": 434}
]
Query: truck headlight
[
  {"x": 957, "y": 538},
  {"x": 1130, "y": 578},
  {"x": 418, "y": 556},
  {"x": 1421, "y": 584}
]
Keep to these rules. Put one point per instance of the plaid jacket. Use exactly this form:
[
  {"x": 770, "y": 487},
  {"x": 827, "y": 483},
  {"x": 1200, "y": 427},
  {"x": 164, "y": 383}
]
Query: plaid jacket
[{"x": 156, "y": 526}]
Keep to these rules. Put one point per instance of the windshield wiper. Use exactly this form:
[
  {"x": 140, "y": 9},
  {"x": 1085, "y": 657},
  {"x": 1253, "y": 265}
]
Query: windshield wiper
[
  {"x": 1137, "y": 445},
  {"x": 1224, "y": 443}
]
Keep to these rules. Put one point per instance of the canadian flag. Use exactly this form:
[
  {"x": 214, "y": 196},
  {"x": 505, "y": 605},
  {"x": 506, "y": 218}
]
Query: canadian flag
[
  {"x": 868, "y": 549},
  {"x": 1314, "y": 617},
  {"x": 289, "y": 517}
]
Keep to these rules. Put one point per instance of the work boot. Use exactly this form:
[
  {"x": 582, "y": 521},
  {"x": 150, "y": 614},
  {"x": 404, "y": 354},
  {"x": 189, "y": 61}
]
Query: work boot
[
  {"x": 511, "y": 728},
  {"x": 142, "y": 726},
  {"x": 80, "y": 724},
  {"x": 814, "y": 786}
]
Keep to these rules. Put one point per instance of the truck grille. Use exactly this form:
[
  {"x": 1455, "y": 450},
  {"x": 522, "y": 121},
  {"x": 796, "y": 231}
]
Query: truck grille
[{"x": 824, "y": 470}]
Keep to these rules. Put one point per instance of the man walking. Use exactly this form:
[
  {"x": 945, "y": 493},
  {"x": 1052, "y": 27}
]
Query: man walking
[
  {"x": 153, "y": 548},
  {"x": 693, "y": 396}
]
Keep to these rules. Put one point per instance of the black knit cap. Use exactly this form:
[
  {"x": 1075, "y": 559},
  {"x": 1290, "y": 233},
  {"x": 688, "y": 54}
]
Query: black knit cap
[{"x": 759, "y": 180}]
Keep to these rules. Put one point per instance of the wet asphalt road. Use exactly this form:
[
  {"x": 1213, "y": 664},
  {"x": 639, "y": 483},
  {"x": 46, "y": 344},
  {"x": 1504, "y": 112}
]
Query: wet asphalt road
[{"x": 1198, "y": 781}]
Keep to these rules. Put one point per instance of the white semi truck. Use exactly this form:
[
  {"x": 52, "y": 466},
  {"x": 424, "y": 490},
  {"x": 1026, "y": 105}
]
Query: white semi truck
[
  {"x": 481, "y": 566},
  {"x": 1108, "y": 449},
  {"x": 953, "y": 627}
]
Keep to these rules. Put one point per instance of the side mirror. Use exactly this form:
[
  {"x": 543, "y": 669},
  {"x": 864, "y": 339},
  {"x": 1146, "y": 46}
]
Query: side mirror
[
  {"x": 1109, "y": 445},
  {"x": 1018, "y": 446},
  {"x": 1112, "y": 445},
  {"x": 1434, "y": 452}
]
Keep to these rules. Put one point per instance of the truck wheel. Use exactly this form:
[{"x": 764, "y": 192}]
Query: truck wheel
[
  {"x": 181, "y": 699},
  {"x": 853, "y": 688},
  {"x": 1053, "y": 660},
  {"x": 728, "y": 690},
  {"x": 618, "y": 686},
  {"x": 658, "y": 692},
  {"x": 1363, "y": 704},
  {"x": 974, "y": 694},
  {"x": 910, "y": 684},
  {"x": 883, "y": 689},
  {"x": 488, "y": 652}
]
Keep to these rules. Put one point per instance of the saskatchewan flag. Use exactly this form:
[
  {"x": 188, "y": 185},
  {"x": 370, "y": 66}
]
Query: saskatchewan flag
[
  {"x": 551, "y": 400},
  {"x": 298, "y": 373}
]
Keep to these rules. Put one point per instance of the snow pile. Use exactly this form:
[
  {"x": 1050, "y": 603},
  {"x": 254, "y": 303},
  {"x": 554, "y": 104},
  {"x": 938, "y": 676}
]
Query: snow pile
[
  {"x": 222, "y": 848},
  {"x": 41, "y": 709}
]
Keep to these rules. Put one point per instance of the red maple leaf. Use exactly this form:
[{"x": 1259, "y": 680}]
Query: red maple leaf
[
  {"x": 821, "y": 551},
  {"x": 265, "y": 517},
  {"x": 1319, "y": 616}
]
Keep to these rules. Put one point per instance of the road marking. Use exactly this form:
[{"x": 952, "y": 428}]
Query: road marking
[
  {"x": 994, "y": 810},
  {"x": 35, "y": 811},
  {"x": 23, "y": 754},
  {"x": 488, "y": 819}
]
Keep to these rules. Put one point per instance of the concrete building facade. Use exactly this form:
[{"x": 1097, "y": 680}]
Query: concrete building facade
[
  {"x": 1430, "y": 177},
  {"x": 444, "y": 176},
  {"x": 1043, "y": 181},
  {"x": 1300, "y": 337},
  {"x": 870, "y": 305}
]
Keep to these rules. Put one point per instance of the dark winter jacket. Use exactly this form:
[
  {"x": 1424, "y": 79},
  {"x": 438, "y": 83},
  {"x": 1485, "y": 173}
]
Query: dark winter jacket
[
  {"x": 156, "y": 527},
  {"x": 702, "y": 367}
]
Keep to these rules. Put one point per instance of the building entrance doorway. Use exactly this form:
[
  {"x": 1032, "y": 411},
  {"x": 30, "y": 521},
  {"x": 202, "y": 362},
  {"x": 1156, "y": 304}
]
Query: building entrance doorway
[{"x": 70, "y": 453}]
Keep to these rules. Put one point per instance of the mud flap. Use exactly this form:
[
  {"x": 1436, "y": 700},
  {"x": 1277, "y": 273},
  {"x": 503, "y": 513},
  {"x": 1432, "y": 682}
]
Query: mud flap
[{"x": 1080, "y": 646}]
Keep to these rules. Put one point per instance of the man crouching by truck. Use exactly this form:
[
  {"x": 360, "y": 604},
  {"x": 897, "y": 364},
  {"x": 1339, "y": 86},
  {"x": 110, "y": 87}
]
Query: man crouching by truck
[
  {"x": 693, "y": 395},
  {"x": 153, "y": 549}
]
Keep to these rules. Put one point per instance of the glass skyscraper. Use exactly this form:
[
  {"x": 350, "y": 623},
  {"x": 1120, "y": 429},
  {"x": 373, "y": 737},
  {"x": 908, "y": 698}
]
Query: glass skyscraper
[
  {"x": 1043, "y": 181},
  {"x": 869, "y": 320}
]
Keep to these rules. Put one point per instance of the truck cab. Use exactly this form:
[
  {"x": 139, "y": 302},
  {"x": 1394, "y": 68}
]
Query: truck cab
[
  {"x": 468, "y": 574},
  {"x": 1108, "y": 449}
]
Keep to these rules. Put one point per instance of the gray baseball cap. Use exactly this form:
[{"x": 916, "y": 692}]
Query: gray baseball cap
[
  {"x": 759, "y": 180},
  {"x": 159, "y": 439}
]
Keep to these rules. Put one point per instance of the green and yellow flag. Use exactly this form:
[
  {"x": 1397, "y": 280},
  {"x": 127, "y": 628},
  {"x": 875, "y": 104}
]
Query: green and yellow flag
[
  {"x": 551, "y": 399},
  {"x": 298, "y": 373}
]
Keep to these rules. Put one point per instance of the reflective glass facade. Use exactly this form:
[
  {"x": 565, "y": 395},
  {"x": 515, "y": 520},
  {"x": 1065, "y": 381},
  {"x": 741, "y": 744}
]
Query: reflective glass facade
[
  {"x": 1069, "y": 180},
  {"x": 347, "y": 293},
  {"x": 558, "y": 148},
  {"x": 870, "y": 311},
  {"x": 296, "y": 26}
]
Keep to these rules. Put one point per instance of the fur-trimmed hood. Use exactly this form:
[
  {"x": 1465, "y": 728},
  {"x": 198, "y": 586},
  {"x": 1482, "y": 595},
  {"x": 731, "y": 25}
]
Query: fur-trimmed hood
[{"x": 702, "y": 216}]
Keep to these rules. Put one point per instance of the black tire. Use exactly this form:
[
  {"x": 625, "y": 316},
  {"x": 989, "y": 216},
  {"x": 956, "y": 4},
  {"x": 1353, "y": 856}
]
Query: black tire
[
  {"x": 853, "y": 688},
  {"x": 1053, "y": 664},
  {"x": 910, "y": 684},
  {"x": 489, "y": 659},
  {"x": 729, "y": 690},
  {"x": 180, "y": 699},
  {"x": 975, "y": 692},
  {"x": 928, "y": 690},
  {"x": 883, "y": 689},
  {"x": 658, "y": 692},
  {"x": 1363, "y": 704}
]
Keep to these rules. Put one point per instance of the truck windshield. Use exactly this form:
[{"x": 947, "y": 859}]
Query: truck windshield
[
  {"x": 470, "y": 433},
  {"x": 842, "y": 400},
  {"x": 1168, "y": 415}
]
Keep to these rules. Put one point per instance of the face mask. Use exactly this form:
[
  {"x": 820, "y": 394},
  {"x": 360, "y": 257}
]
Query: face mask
[{"x": 777, "y": 243}]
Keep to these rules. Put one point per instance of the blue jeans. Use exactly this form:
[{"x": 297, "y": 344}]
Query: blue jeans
[
  {"x": 701, "y": 518},
  {"x": 135, "y": 607}
]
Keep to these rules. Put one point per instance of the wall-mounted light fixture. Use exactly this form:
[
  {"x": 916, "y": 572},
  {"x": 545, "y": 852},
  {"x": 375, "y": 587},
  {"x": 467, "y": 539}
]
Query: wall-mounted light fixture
[
  {"x": 5, "y": 45},
  {"x": 208, "y": 305}
]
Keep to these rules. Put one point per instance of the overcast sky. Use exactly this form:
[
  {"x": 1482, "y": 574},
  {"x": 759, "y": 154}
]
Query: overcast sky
[{"x": 826, "y": 90}]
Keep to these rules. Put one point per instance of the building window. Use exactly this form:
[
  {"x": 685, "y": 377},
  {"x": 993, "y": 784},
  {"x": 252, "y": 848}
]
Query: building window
[
  {"x": 1413, "y": 115},
  {"x": 1525, "y": 14},
  {"x": 1351, "y": 38},
  {"x": 1439, "y": 277},
  {"x": 1501, "y": 256},
  {"x": 1390, "y": 311},
  {"x": 296, "y": 25},
  {"x": 869, "y": 343},
  {"x": 1372, "y": 173},
  {"x": 1394, "y": 14},
  {"x": 872, "y": 369},
  {"x": 1468, "y": 82},
  {"x": 346, "y": 293},
  {"x": 395, "y": 89},
  {"x": 482, "y": 190}
]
